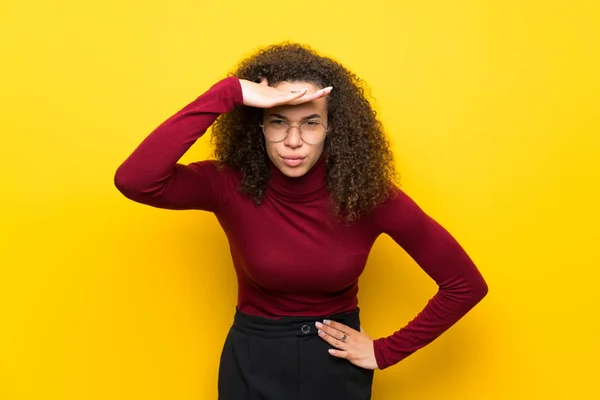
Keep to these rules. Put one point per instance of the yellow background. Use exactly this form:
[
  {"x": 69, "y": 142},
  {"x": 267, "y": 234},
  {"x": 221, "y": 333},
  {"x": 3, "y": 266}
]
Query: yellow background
[{"x": 492, "y": 109}]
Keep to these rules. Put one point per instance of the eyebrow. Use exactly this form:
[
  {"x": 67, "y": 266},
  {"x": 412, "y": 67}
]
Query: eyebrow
[{"x": 307, "y": 117}]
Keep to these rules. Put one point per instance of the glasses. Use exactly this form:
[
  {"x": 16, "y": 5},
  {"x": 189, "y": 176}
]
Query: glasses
[{"x": 311, "y": 132}]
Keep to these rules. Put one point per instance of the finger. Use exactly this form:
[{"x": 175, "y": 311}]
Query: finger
[
  {"x": 339, "y": 326},
  {"x": 339, "y": 353},
  {"x": 341, "y": 335},
  {"x": 332, "y": 340},
  {"x": 313, "y": 96},
  {"x": 325, "y": 91},
  {"x": 287, "y": 98}
]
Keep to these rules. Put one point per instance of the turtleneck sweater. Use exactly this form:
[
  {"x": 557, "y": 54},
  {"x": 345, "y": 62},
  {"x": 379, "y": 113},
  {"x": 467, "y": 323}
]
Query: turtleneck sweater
[{"x": 291, "y": 256}]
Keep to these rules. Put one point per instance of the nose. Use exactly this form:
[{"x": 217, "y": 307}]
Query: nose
[{"x": 294, "y": 139}]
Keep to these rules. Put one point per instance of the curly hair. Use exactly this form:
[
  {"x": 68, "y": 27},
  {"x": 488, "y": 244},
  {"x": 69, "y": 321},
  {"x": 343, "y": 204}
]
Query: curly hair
[{"x": 359, "y": 162}]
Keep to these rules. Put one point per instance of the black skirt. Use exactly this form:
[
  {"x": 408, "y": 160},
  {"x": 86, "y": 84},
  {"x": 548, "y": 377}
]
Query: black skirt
[{"x": 285, "y": 359}]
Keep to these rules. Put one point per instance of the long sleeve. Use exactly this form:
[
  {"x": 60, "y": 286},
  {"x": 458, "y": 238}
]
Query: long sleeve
[
  {"x": 152, "y": 175},
  {"x": 460, "y": 284}
]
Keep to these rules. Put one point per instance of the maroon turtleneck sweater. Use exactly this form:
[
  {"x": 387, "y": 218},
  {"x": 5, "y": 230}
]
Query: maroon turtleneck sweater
[{"x": 290, "y": 255}]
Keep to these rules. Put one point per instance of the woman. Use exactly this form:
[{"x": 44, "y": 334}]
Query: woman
[{"x": 302, "y": 185}]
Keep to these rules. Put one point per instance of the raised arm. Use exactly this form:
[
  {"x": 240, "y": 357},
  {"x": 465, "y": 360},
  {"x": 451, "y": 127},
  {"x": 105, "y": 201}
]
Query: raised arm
[
  {"x": 461, "y": 285},
  {"x": 151, "y": 174}
]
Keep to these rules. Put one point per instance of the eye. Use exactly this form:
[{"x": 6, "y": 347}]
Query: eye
[
  {"x": 313, "y": 123},
  {"x": 276, "y": 121}
]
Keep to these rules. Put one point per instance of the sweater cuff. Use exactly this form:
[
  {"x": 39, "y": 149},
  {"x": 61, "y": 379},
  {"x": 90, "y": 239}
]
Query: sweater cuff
[
  {"x": 235, "y": 89},
  {"x": 229, "y": 91},
  {"x": 379, "y": 358}
]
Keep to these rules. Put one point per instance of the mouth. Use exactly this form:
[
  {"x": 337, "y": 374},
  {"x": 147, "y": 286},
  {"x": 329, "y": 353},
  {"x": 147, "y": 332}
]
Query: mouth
[{"x": 292, "y": 161}]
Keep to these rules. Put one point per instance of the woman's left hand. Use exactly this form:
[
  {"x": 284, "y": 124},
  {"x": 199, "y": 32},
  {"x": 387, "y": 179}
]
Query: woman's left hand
[{"x": 354, "y": 346}]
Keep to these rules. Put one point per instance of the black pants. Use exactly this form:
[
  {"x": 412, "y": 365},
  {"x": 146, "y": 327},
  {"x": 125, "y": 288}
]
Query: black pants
[{"x": 285, "y": 359}]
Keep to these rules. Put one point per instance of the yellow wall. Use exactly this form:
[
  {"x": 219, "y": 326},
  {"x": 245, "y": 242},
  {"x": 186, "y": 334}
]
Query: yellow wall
[{"x": 492, "y": 109}]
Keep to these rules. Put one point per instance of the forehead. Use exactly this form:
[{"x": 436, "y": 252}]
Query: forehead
[{"x": 317, "y": 106}]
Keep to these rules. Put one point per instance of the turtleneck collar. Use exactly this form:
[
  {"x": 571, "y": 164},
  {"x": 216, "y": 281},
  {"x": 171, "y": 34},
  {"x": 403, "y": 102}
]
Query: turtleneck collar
[{"x": 302, "y": 188}]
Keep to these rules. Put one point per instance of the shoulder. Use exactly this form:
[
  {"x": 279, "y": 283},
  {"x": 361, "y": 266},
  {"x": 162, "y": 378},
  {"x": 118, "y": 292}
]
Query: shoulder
[
  {"x": 215, "y": 168},
  {"x": 397, "y": 197},
  {"x": 399, "y": 209},
  {"x": 223, "y": 178}
]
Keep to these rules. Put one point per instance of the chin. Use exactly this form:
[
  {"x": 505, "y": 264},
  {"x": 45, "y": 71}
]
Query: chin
[{"x": 293, "y": 172}]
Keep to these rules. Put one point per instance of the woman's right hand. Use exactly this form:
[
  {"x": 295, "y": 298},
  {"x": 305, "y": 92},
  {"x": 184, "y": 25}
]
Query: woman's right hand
[{"x": 262, "y": 95}]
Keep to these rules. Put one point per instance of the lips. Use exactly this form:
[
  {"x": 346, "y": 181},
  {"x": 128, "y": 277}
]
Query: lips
[{"x": 292, "y": 161}]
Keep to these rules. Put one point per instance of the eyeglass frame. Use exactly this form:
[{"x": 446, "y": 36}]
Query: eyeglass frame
[{"x": 299, "y": 126}]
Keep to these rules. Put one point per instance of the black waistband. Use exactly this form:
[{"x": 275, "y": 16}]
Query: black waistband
[{"x": 290, "y": 325}]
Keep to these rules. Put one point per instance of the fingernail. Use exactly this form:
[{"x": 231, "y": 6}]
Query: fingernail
[
  {"x": 326, "y": 321},
  {"x": 318, "y": 324}
]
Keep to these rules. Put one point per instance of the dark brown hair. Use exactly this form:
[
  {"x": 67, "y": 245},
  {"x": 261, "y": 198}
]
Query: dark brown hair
[{"x": 359, "y": 163}]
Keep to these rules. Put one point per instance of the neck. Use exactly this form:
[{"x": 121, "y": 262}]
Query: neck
[{"x": 306, "y": 187}]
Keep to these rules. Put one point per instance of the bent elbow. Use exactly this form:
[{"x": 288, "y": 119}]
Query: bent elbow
[
  {"x": 480, "y": 289},
  {"x": 122, "y": 179},
  {"x": 127, "y": 182}
]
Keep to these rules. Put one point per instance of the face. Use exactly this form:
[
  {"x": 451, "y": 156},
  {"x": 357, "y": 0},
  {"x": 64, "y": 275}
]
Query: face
[{"x": 292, "y": 156}]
